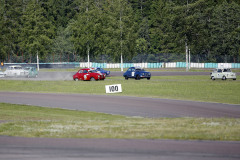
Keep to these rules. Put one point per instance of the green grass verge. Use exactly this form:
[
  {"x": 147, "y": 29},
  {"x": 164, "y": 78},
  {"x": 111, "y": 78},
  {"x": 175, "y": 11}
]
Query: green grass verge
[
  {"x": 31, "y": 121},
  {"x": 196, "y": 88}
]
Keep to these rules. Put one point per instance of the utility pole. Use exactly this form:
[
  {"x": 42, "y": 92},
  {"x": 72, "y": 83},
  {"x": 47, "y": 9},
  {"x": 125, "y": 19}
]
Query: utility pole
[
  {"x": 37, "y": 62},
  {"x": 88, "y": 48},
  {"x": 186, "y": 46},
  {"x": 121, "y": 35},
  {"x": 189, "y": 59}
]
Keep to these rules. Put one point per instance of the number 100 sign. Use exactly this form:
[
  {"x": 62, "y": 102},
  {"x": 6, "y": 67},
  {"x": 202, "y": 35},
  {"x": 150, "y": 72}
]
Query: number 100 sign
[{"x": 114, "y": 88}]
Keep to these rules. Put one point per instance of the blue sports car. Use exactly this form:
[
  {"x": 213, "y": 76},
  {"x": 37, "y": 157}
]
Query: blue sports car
[
  {"x": 103, "y": 71},
  {"x": 137, "y": 73}
]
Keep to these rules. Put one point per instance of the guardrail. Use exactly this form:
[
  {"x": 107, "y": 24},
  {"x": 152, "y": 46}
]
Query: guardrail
[{"x": 127, "y": 65}]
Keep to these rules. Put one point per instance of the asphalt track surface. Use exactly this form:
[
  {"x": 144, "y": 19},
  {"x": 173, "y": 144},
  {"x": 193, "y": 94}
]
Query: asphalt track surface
[
  {"x": 18, "y": 148},
  {"x": 123, "y": 105},
  {"x": 12, "y": 148}
]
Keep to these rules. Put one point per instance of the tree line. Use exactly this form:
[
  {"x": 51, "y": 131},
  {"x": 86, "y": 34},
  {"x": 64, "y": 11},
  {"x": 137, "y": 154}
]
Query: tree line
[{"x": 115, "y": 28}]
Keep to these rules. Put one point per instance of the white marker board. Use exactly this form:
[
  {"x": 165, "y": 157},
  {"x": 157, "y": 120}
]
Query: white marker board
[{"x": 114, "y": 88}]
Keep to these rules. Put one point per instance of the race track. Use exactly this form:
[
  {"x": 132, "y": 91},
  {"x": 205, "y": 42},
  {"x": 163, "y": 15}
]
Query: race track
[
  {"x": 122, "y": 105},
  {"x": 20, "y": 148}
]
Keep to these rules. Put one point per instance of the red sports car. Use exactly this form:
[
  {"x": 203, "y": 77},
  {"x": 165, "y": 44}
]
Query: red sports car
[{"x": 87, "y": 74}]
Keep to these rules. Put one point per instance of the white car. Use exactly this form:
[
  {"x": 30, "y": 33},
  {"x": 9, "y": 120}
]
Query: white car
[
  {"x": 223, "y": 73},
  {"x": 15, "y": 71},
  {"x": 2, "y": 74}
]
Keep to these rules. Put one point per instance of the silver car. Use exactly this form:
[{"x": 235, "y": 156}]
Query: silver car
[
  {"x": 2, "y": 74},
  {"x": 15, "y": 71},
  {"x": 223, "y": 73}
]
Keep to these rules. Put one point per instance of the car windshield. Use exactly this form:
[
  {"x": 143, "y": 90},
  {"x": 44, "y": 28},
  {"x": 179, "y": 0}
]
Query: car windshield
[
  {"x": 83, "y": 71},
  {"x": 227, "y": 70},
  {"x": 91, "y": 71},
  {"x": 27, "y": 68},
  {"x": 14, "y": 68},
  {"x": 139, "y": 69},
  {"x": 94, "y": 71}
]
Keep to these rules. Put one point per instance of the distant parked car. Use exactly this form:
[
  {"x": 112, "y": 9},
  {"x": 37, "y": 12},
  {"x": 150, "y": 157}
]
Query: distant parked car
[
  {"x": 223, "y": 73},
  {"x": 88, "y": 74},
  {"x": 31, "y": 72},
  {"x": 137, "y": 73},
  {"x": 103, "y": 71},
  {"x": 15, "y": 71}
]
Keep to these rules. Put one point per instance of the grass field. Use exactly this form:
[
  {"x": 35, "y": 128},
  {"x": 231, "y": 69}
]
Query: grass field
[
  {"x": 30, "y": 121},
  {"x": 196, "y": 88}
]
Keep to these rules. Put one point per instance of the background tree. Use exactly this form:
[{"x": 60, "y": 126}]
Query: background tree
[
  {"x": 107, "y": 28},
  {"x": 119, "y": 30},
  {"x": 3, "y": 50},
  {"x": 10, "y": 27},
  {"x": 37, "y": 32},
  {"x": 163, "y": 33},
  {"x": 62, "y": 45},
  {"x": 226, "y": 31},
  {"x": 97, "y": 29},
  {"x": 86, "y": 29},
  {"x": 60, "y": 12}
]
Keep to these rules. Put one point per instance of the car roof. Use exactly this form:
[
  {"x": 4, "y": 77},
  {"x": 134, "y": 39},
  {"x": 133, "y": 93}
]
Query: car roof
[
  {"x": 223, "y": 68},
  {"x": 15, "y": 66},
  {"x": 85, "y": 69},
  {"x": 136, "y": 67}
]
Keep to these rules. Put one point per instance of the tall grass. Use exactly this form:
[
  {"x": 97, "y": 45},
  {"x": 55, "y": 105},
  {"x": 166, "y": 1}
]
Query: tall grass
[{"x": 30, "y": 121}]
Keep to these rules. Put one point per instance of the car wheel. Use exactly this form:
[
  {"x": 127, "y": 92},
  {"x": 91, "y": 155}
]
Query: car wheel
[
  {"x": 76, "y": 79},
  {"x": 224, "y": 78},
  {"x": 234, "y": 79},
  {"x": 137, "y": 77},
  {"x": 212, "y": 78},
  {"x": 148, "y": 78},
  {"x": 92, "y": 79},
  {"x": 126, "y": 78}
]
